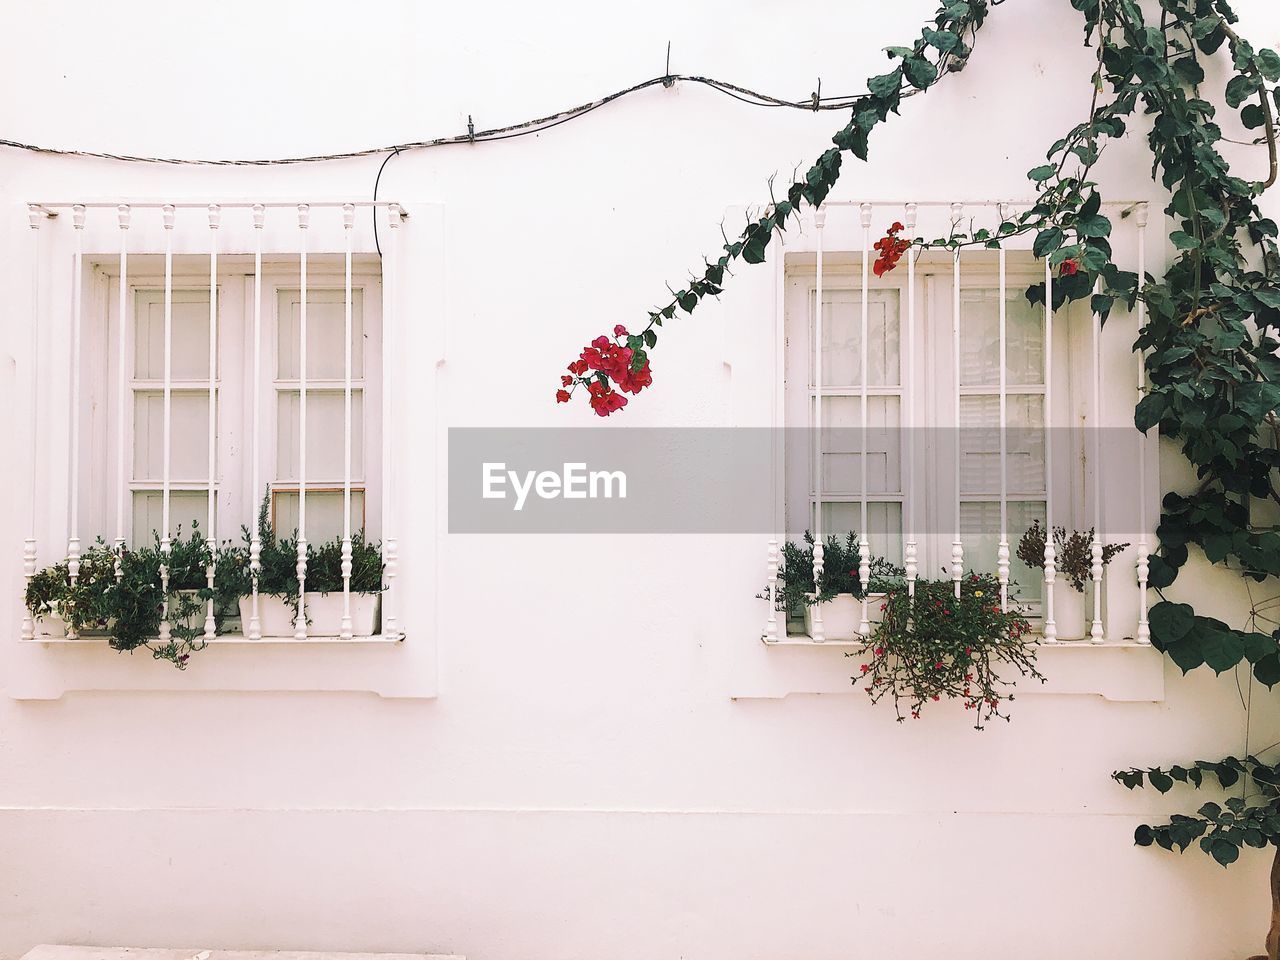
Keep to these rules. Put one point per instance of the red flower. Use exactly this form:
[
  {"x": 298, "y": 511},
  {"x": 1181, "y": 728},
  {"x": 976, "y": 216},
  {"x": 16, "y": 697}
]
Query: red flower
[
  {"x": 578, "y": 367},
  {"x": 562, "y": 396},
  {"x": 603, "y": 400},
  {"x": 630, "y": 381},
  {"x": 890, "y": 248},
  {"x": 619, "y": 331},
  {"x": 1070, "y": 268},
  {"x": 865, "y": 668},
  {"x": 566, "y": 380}
]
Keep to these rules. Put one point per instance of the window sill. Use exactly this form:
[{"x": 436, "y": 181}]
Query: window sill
[
  {"x": 1121, "y": 671},
  {"x": 47, "y": 668}
]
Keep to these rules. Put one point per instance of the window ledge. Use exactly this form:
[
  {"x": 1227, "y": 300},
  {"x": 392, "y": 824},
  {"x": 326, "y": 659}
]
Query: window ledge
[
  {"x": 1121, "y": 671},
  {"x": 48, "y": 668}
]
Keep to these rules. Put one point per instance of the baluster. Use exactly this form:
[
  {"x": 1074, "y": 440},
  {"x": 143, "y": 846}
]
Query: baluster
[
  {"x": 211, "y": 538},
  {"x": 1144, "y": 563},
  {"x": 35, "y": 217},
  {"x": 391, "y": 293},
  {"x": 957, "y": 546},
  {"x": 73, "y": 484},
  {"x": 1050, "y": 552},
  {"x": 255, "y": 538},
  {"x": 771, "y": 592},
  {"x": 123, "y": 215},
  {"x": 819, "y": 551},
  {"x": 909, "y": 559},
  {"x": 300, "y": 625},
  {"x": 1002, "y": 552},
  {"x": 348, "y": 218},
  {"x": 1096, "y": 631},
  {"x": 166, "y": 544},
  {"x": 864, "y": 547}
]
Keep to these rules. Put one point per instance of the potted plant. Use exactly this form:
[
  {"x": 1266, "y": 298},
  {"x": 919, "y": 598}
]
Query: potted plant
[
  {"x": 55, "y": 603},
  {"x": 1074, "y": 565},
  {"x": 840, "y": 592},
  {"x": 937, "y": 645},
  {"x": 323, "y": 602}
]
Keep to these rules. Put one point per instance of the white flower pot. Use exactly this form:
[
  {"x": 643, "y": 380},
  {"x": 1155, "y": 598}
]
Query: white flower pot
[
  {"x": 1069, "y": 610},
  {"x": 50, "y": 626},
  {"x": 842, "y": 615},
  {"x": 323, "y": 610}
]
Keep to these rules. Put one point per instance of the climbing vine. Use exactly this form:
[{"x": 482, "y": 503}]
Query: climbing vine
[{"x": 1213, "y": 320}]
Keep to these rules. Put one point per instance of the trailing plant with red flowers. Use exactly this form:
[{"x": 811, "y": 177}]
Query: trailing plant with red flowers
[
  {"x": 938, "y": 646},
  {"x": 1212, "y": 337}
]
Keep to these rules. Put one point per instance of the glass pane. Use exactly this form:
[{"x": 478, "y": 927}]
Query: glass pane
[
  {"x": 325, "y": 323},
  {"x": 884, "y": 521},
  {"x": 980, "y": 443},
  {"x": 324, "y": 513},
  {"x": 980, "y": 337},
  {"x": 325, "y": 431},
  {"x": 842, "y": 337},
  {"x": 185, "y": 506},
  {"x": 842, "y": 445},
  {"x": 980, "y": 531},
  {"x": 190, "y": 331},
  {"x": 188, "y": 436}
]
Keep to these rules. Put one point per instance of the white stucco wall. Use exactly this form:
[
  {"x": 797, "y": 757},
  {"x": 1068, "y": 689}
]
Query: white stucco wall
[{"x": 584, "y": 785}]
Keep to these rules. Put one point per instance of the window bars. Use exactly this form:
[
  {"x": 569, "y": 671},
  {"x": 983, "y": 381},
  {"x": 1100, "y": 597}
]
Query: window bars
[
  {"x": 258, "y": 213},
  {"x": 1098, "y": 631}
]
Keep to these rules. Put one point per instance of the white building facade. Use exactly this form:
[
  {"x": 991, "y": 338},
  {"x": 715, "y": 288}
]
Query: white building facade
[{"x": 559, "y": 745}]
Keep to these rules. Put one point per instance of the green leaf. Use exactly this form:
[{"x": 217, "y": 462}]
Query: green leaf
[
  {"x": 1170, "y": 622},
  {"x": 1183, "y": 240},
  {"x": 1143, "y": 836},
  {"x": 944, "y": 40},
  {"x": 1160, "y": 781},
  {"x": 1269, "y": 64},
  {"x": 1041, "y": 173},
  {"x": 1253, "y": 116},
  {"x": 919, "y": 72},
  {"x": 1047, "y": 241},
  {"x": 1267, "y": 670},
  {"x": 885, "y": 85},
  {"x": 1149, "y": 410},
  {"x": 899, "y": 52},
  {"x": 1093, "y": 226},
  {"x": 1188, "y": 70},
  {"x": 1240, "y": 88},
  {"x": 1222, "y": 649},
  {"x": 1224, "y": 851}
]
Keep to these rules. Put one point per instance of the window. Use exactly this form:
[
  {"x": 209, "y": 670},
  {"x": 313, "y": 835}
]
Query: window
[
  {"x": 278, "y": 413},
  {"x": 924, "y": 416}
]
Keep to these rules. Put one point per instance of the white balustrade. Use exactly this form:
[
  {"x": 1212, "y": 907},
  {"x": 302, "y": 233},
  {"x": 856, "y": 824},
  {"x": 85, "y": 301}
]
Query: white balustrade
[
  {"x": 1050, "y": 628},
  {"x": 1143, "y": 634},
  {"x": 123, "y": 217},
  {"x": 211, "y": 531},
  {"x": 864, "y": 547},
  {"x": 1002, "y": 550},
  {"x": 73, "y": 486},
  {"x": 29, "y": 554},
  {"x": 300, "y": 625},
  {"x": 1096, "y": 631},
  {"x": 390, "y": 326},
  {"x": 254, "y": 628},
  {"x": 818, "y": 630},
  {"x": 348, "y": 220},
  {"x": 909, "y": 514},
  {"x": 957, "y": 545},
  {"x": 115, "y": 517},
  {"x": 166, "y": 545}
]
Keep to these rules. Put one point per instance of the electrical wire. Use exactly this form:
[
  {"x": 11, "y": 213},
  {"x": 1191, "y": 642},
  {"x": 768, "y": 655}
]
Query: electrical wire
[{"x": 743, "y": 94}]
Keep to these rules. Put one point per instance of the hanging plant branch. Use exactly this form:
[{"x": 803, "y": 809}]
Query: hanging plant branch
[{"x": 612, "y": 366}]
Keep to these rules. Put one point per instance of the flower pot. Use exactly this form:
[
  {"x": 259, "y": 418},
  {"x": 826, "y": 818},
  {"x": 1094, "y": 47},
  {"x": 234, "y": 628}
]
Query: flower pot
[
  {"x": 277, "y": 618},
  {"x": 50, "y": 626},
  {"x": 842, "y": 615},
  {"x": 324, "y": 614},
  {"x": 1069, "y": 610}
]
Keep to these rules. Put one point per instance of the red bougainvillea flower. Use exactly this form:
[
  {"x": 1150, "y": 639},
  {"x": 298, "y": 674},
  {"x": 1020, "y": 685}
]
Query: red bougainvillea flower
[
  {"x": 890, "y": 249},
  {"x": 578, "y": 367},
  {"x": 633, "y": 381},
  {"x": 619, "y": 331},
  {"x": 1070, "y": 268},
  {"x": 604, "y": 400},
  {"x": 562, "y": 396}
]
